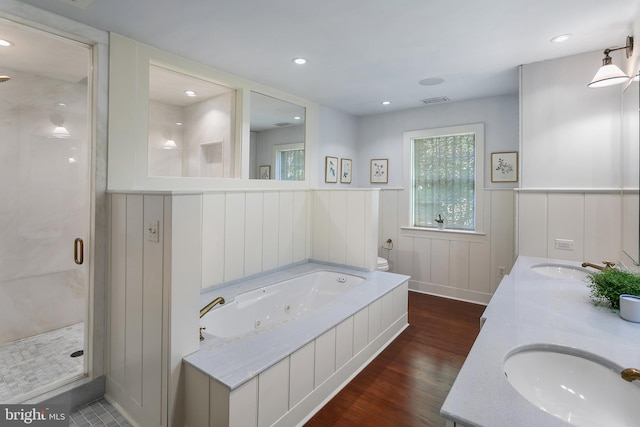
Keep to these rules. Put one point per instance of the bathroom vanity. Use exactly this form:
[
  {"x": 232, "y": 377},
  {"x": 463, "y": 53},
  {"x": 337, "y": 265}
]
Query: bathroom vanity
[{"x": 543, "y": 307}]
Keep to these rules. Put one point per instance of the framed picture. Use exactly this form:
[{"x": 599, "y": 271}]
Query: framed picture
[
  {"x": 331, "y": 169},
  {"x": 504, "y": 167},
  {"x": 379, "y": 171},
  {"x": 345, "y": 171},
  {"x": 264, "y": 172}
]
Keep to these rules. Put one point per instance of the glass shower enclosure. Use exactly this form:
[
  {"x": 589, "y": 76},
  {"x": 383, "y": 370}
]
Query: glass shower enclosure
[{"x": 45, "y": 209}]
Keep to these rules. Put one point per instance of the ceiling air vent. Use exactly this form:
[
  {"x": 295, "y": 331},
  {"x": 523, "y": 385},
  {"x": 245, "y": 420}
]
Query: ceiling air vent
[
  {"x": 435, "y": 100},
  {"x": 282, "y": 124}
]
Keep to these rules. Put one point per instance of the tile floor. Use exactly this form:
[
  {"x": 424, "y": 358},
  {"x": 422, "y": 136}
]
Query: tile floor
[
  {"x": 32, "y": 362},
  {"x": 97, "y": 414}
]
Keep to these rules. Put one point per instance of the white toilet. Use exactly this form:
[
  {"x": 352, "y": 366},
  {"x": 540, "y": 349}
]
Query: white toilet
[{"x": 383, "y": 264}]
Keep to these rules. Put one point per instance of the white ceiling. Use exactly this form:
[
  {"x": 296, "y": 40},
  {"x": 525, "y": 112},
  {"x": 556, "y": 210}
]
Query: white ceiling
[{"x": 361, "y": 52}]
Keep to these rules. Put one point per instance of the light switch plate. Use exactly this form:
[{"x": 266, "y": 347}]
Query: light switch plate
[{"x": 153, "y": 233}]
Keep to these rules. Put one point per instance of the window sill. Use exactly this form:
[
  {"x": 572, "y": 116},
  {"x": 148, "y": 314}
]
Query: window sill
[{"x": 421, "y": 231}]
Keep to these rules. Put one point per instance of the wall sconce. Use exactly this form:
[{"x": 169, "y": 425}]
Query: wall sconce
[
  {"x": 609, "y": 74},
  {"x": 59, "y": 131}
]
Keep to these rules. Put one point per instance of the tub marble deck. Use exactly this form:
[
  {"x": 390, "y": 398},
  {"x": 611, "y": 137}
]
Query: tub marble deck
[
  {"x": 529, "y": 308},
  {"x": 234, "y": 361}
]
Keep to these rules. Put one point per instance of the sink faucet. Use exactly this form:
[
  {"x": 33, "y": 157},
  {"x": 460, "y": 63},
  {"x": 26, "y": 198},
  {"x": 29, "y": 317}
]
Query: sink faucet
[
  {"x": 204, "y": 310},
  {"x": 630, "y": 374},
  {"x": 607, "y": 264}
]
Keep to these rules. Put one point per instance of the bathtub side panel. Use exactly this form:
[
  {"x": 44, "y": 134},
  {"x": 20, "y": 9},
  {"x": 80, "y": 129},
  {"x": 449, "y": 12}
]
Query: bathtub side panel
[
  {"x": 344, "y": 342},
  {"x": 301, "y": 374},
  {"x": 196, "y": 398},
  {"x": 360, "y": 330},
  {"x": 273, "y": 393},
  {"x": 325, "y": 364},
  {"x": 243, "y": 405}
]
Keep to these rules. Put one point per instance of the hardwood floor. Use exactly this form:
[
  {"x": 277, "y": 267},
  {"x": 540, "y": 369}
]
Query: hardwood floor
[{"x": 408, "y": 382}]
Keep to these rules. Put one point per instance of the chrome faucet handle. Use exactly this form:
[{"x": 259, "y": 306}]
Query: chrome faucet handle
[{"x": 201, "y": 336}]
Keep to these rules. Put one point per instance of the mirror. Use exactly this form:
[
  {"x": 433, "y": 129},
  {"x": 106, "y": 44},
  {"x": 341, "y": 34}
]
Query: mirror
[
  {"x": 277, "y": 139},
  {"x": 191, "y": 126},
  {"x": 630, "y": 171}
]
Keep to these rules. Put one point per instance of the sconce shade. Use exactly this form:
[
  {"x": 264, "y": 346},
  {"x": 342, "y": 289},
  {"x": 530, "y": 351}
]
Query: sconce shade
[
  {"x": 170, "y": 145},
  {"x": 60, "y": 132},
  {"x": 608, "y": 75}
]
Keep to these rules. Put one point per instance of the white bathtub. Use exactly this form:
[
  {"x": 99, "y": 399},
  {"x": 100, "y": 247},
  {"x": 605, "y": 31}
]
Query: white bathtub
[
  {"x": 261, "y": 309},
  {"x": 317, "y": 329}
]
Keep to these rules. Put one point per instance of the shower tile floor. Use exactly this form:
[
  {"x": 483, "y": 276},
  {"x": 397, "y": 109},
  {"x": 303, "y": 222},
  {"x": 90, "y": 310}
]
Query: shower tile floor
[{"x": 32, "y": 362}]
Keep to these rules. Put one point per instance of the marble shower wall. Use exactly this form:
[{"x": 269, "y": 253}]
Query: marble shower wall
[{"x": 44, "y": 188}]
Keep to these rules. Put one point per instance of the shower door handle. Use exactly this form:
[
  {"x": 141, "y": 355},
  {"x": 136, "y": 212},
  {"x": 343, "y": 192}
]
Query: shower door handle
[{"x": 78, "y": 251}]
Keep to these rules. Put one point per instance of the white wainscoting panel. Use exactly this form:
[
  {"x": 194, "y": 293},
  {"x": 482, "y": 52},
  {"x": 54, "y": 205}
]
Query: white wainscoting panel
[
  {"x": 361, "y": 330},
  {"x": 253, "y": 233},
  {"x": 325, "y": 356},
  {"x": 285, "y": 238},
  {"x": 602, "y": 230},
  {"x": 243, "y": 405},
  {"x": 273, "y": 393},
  {"x": 234, "y": 244},
  {"x": 532, "y": 224},
  {"x": 301, "y": 235},
  {"x": 302, "y": 374},
  {"x": 345, "y": 227},
  {"x": 587, "y": 218},
  {"x": 344, "y": 342},
  {"x": 457, "y": 265},
  {"x": 247, "y": 233},
  {"x": 271, "y": 230},
  {"x": 152, "y": 319},
  {"x": 338, "y": 229},
  {"x": 213, "y": 238},
  {"x": 133, "y": 298}
]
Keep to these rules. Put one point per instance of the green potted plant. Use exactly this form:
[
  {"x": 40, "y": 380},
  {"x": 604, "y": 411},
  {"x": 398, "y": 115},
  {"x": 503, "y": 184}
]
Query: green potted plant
[
  {"x": 608, "y": 284},
  {"x": 439, "y": 221}
]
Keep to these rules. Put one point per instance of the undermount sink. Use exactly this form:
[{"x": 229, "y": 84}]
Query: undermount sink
[
  {"x": 577, "y": 387},
  {"x": 561, "y": 271}
]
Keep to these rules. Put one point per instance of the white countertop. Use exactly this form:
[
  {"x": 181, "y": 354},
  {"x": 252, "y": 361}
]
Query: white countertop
[
  {"x": 234, "y": 361},
  {"x": 530, "y": 309}
]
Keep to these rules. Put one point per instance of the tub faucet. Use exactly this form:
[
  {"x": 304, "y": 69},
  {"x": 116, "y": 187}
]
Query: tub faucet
[
  {"x": 630, "y": 374},
  {"x": 204, "y": 310},
  {"x": 607, "y": 264}
]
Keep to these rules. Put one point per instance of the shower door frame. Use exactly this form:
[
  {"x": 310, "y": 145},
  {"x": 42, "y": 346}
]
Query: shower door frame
[{"x": 97, "y": 42}]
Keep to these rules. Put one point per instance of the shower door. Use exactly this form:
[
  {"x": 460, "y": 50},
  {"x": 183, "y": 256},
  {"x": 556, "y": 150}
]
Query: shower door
[{"x": 45, "y": 209}]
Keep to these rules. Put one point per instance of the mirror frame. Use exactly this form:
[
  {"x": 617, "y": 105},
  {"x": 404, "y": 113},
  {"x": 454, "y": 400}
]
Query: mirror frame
[
  {"x": 128, "y": 124},
  {"x": 630, "y": 185}
]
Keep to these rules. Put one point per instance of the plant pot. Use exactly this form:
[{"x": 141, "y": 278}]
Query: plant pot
[
  {"x": 630, "y": 308},
  {"x": 440, "y": 225}
]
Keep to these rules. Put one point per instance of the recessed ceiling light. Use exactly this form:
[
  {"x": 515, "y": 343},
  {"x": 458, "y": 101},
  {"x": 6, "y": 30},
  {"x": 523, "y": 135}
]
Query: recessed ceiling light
[
  {"x": 190, "y": 92},
  {"x": 432, "y": 81},
  {"x": 561, "y": 38},
  {"x": 5, "y": 43},
  {"x": 386, "y": 102},
  {"x": 297, "y": 118},
  {"x": 179, "y": 123},
  {"x": 299, "y": 61}
]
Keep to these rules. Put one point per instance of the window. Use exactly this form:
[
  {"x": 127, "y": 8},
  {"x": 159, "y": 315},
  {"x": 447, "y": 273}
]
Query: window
[
  {"x": 446, "y": 172},
  {"x": 289, "y": 161}
]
